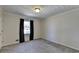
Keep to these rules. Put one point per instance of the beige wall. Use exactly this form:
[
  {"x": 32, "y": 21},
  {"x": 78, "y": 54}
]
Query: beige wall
[
  {"x": 1, "y": 27},
  {"x": 63, "y": 29},
  {"x": 42, "y": 28},
  {"x": 27, "y": 37},
  {"x": 10, "y": 28},
  {"x": 37, "y": 29}
]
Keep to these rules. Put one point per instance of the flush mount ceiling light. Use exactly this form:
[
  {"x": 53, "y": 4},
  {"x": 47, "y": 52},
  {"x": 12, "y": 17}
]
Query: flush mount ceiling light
[{"x": 37, "y": 10}]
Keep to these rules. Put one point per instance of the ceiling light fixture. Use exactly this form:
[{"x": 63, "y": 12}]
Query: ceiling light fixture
[{"x": 37, "y": 10}]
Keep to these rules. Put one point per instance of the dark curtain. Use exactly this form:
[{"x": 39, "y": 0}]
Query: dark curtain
[
  {"x": 31, "y": 30},
  {"x": 21, "y": 32}
]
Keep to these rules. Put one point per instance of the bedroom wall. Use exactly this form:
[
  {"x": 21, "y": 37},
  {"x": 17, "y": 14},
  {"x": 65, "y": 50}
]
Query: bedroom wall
[
  {"x": 1, "y": 34},
  {"x": 63, "y": 29},
  {"x": 37, "y": 29},
  {"x": 11, "y": 28}
]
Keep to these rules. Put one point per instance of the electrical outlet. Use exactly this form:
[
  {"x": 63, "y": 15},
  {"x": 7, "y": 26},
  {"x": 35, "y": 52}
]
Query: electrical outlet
[{"x": 17, "y": 40}]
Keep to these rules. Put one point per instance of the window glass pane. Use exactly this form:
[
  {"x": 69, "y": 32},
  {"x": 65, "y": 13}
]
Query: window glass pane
[{"x": 26, "y": 27}]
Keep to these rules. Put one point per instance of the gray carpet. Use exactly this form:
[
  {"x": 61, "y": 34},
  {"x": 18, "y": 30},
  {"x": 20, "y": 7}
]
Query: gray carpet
[{"x": 37, "y": 46}]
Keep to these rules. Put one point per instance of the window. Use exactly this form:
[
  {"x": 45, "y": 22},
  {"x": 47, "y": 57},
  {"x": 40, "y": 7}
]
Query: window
[{"x": 26, "y": 27}]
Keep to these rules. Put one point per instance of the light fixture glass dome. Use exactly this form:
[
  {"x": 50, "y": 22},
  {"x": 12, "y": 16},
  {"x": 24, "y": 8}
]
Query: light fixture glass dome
[{"x": 37, "y": 10}]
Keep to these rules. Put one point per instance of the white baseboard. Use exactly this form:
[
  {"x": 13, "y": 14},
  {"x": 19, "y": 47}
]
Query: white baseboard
[
  {"x": 9, "y": 44},
  {"x": 62, "y": 44}
]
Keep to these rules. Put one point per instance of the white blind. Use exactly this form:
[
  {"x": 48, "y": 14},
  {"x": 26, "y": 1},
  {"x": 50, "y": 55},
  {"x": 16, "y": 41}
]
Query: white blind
[{"x": 26, "y": 27}]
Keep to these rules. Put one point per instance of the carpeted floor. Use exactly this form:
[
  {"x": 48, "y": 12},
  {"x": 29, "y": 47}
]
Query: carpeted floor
[{"x": 37, "y": 46}]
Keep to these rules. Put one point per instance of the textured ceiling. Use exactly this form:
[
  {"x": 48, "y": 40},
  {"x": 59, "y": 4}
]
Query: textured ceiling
[{"x": 46, "y": 10}]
